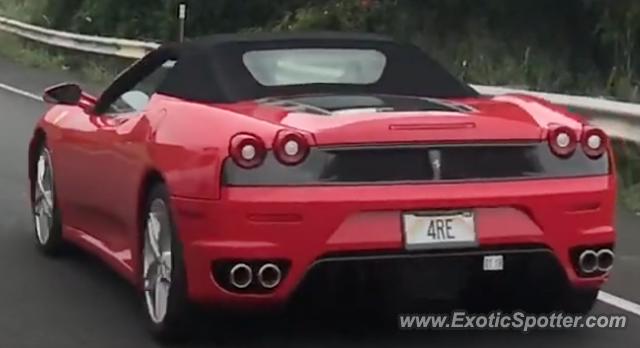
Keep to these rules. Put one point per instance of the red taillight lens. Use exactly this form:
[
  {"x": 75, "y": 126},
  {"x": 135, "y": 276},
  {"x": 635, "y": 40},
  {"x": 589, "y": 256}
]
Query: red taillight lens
[
  {"x": 562, "y": 141},
  {"x": 290, "y": 148},
  {"x": 247, "y": 150},
  {"x": 594, "y": 142}
]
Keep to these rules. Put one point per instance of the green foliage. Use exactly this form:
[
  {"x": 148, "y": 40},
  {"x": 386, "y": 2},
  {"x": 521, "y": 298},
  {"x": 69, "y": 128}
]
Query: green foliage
[
  {"x": 32, "y": 55},
  {"x": 628, "y": 166},
  {"x": 586, "y": 46},
  {"x": 21, "y": 9}
]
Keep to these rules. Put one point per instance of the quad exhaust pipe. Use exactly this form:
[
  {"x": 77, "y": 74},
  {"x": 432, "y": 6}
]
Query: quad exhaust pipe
[
  {"x": 605, "y": 260},
  {"x": 588, "y": 261},
  {"x": 269, "y": 276},
  {"x": 241, "y": 276},
  {"x": 591, "y": 261}
]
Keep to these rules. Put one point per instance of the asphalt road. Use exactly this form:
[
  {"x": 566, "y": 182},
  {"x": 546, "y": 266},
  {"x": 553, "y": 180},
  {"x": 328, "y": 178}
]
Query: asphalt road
[{"x": 77, "y": 302}]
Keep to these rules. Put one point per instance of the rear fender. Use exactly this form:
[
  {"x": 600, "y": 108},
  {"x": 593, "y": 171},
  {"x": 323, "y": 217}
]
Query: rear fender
[{"x": 191, "y": 142}]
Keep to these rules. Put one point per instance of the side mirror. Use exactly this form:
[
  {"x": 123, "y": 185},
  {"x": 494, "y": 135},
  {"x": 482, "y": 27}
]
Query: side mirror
[{"x": 65, "y": 94}]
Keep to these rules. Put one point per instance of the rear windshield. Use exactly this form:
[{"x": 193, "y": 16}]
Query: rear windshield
[{"x": 287, "y": 67}]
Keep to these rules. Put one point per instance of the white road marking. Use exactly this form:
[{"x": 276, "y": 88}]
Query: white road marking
[
  {"x": 605, "y": 297},
  {"x": 619, "y": 302},
  {"x": 20, "y": 92}
]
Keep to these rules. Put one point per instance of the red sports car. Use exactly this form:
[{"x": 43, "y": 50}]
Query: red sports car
[{"x": 241, "y": 171}]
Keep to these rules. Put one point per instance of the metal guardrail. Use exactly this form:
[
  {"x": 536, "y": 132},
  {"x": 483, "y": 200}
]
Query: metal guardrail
[
  {"x": 618, "y": 118},
  {"x": 599, "y": 105},
  {"x": 87, "y": 43}
]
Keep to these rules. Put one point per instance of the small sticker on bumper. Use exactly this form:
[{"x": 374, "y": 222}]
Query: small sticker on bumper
[{"x": 493, "y": 263}]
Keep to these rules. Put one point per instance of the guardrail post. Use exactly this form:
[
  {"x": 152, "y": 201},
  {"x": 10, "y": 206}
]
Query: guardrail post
[{"x": 182, "y": 16}]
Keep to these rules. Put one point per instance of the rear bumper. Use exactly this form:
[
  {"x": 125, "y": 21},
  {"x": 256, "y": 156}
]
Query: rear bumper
[
  {"x": 303, "y": 225},
  {"x": 400, "y": 278}
]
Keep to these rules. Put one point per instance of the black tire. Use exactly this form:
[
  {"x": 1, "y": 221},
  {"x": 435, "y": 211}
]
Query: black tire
[
  {"x": 54, "y": 244},
  {"x": 174, "y": 326}
]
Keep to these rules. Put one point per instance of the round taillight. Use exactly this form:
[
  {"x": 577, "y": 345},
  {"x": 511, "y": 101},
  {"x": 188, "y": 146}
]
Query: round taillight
[
  {"x": 594, "y": 142},
  {"x": 290, "y": 148},
  {"x": 562, "y": 141},
  {"x": 247, "y": 150}
]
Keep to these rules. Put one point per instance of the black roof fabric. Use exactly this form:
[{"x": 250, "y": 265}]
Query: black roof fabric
[{"x": 211, "y": 69}]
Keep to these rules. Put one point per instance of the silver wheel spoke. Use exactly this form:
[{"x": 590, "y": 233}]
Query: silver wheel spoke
[
  {"x": 148, "y": 285},
  {"x": 38, "y": 207},
  {"x": 42, "y": 178},
  {"x": 37, "y": 201},
  {"x": 42, "y": 209},
  {"x": 42, "y": 162},
  {"x": 161, "y": 298},
  {"x": 47, "y": 198},
  {"x": 153, "y": 235},
  {"x": 38, "y": 194},
  {"x": 43, "y": 192},
  {"x": 44, "y": 234},
  {"x": 166, "y": 265}
]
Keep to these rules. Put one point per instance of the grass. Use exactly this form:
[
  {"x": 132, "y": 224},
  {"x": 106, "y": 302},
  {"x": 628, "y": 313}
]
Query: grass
[
  {"x": 628, "y": 165},
  {"x": 87, "y": 67},
  {"x": 630, "y": 197},
  {"x": 22, "y": 10},
  {"x": 17, "y": 50}
]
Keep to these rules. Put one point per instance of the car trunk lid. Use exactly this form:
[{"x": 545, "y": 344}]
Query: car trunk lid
[{"x": 378, "y": 119}]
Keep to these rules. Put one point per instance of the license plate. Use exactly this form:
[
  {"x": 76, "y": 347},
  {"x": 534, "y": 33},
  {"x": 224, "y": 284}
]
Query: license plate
[{"x": 439, "y": 230}]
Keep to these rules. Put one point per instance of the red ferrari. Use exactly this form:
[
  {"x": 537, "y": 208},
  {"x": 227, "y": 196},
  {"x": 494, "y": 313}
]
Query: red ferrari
[{"x": 242, "y": 171}]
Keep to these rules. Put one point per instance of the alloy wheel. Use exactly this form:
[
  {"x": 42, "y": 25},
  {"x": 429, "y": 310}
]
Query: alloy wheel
[
  {"x": 43, "y": 203},
  {"x": 157, "y": 261}
]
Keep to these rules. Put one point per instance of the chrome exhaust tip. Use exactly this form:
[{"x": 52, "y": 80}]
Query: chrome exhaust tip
[
  {"x": 588, "y": 261},
  {"x": 605, "y": 260},
  {"x": 269, "y": 276},
  {"x": 240, "y": 276}
]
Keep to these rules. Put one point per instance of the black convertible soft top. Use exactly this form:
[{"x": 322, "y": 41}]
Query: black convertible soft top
[{"x": 211, "y": 69}]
